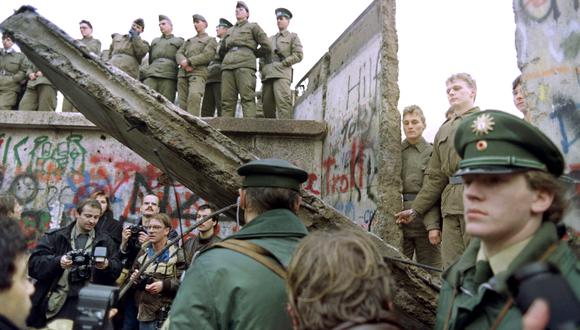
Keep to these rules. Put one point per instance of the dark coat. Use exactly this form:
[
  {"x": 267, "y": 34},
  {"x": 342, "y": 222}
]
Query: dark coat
[
  {"x": 44, "y": 266},
  {"x": 108, "y": 224}
]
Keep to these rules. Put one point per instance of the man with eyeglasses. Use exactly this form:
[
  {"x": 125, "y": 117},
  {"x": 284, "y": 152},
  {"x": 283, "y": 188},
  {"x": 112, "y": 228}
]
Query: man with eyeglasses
[{"x": 207, "y": 232}]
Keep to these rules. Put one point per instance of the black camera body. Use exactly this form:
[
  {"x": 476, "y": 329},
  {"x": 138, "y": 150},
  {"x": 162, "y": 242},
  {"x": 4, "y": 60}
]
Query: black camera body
[
  {"x": 95, "y": 301},
  {"x": 81, "y": 267},
  {"x": 143, "y": 280},
  {"x": 134, "y": 238},
  {"x": 543, "y": 280}
]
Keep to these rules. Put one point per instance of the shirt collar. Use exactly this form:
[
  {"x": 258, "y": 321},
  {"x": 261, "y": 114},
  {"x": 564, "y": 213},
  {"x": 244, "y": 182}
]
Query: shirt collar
[{"x": 501, "y": 261}]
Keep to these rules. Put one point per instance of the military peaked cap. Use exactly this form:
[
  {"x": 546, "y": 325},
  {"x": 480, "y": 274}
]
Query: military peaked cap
[
  {"x": 224, "y": 22},
  {"x": 275, "y": 173},
  {"x": 283, "y": 12},
  {"x": 494, "y": 141}
]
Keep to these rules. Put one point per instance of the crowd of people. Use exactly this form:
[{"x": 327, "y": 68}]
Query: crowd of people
[
  {"x": 202, "y": 75},
  {"x": 481, "y": 203}
]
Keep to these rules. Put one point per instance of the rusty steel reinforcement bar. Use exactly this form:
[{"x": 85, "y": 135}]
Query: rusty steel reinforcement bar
[{"x": 198, "y": 156}]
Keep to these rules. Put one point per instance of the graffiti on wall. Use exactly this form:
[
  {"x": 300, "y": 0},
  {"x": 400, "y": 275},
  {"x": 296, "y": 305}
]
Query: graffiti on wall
[
  {"x": 349, "y": 167},
  {"x": 49, "y": 173}
]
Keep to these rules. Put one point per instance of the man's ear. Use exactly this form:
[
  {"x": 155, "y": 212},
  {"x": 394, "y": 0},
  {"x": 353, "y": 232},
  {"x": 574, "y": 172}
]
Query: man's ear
[
  {"x": 296, "y": 206},
  {"x": 542, "y": 202},
  {"x": 242, "y": 199}
]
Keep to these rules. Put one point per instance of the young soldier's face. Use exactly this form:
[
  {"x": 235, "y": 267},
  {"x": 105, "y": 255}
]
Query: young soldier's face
[
  {"x": 500, "y": 207},
  {"x": 7, "y": 43},
  {"x": 86, "y": 30},
  {"x": 241, "y": 13},
  {"x": 519, "y": 99},
  {"x": 282, "y": 22},
  {"x": 165, "y": 27},
  {"x": 199, "y": 26},
  {"x": 413, "y": 126},
  {"x": 459, "y": 94}
]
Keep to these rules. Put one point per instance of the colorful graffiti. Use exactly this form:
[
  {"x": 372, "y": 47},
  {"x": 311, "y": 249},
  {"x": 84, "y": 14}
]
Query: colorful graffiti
[
  {"x": 349, "y": 167},
  {"x": 50, "y": 172}
]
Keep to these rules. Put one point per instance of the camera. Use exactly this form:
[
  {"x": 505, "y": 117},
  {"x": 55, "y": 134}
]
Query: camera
[
  {"x": 543, "y": 280},
  {"x": 143, "y": 280},
  {"x": 95, "y": 301},
  {"x": 81, "y": 267},
  {"x": 134, "y": 238}
]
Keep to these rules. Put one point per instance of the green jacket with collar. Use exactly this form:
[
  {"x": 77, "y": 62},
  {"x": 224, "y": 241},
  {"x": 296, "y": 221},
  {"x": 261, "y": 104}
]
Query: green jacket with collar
[
  {"x": 463, "y": 306},
  {"x": 224, "y": 289}
]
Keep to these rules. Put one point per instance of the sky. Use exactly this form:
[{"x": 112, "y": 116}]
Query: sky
[{"x": 436, "y": 38}]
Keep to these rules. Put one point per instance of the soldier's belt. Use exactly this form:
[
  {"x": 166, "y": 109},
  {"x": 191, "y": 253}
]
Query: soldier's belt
[
  {"x": 455, "y": 180},
  {"x": 409, "y": 197}
]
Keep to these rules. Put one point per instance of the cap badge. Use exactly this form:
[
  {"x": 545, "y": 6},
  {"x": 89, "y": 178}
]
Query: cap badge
[
  {"x": 481, "y": 145},
  {"x": 483, "y": 124}
]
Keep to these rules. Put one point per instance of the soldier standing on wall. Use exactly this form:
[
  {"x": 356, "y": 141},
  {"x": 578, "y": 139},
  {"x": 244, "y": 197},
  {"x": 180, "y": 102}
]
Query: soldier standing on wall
[
  {"x": 276, "y": 70},
  {"x": 127, "y": 50},
  {"x": 239, "y": 50}
]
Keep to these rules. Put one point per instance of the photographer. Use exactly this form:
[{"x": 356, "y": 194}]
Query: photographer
[
  {"x": 62, "y": 263},
  {"x": 157, "y": 285},
  {"x": 512, "y": 201}
]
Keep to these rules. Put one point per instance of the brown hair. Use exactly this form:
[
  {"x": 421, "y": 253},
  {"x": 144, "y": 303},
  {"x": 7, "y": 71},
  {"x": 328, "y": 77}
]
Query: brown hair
[
  {"x": 463, "y": 76},
  {"x": 516, "y": 82},
  {"x": 7, "y": 204},
  {"x": 539, "y": 180},
  {"x": 90, "y": 203},
  {"x": 164, "y": 219},
  {"x": 262, "y": 199},
  {"x": 414, "y": 109},
  {"x": 98, "y": 193},
  {"x": 336, "y": 277}
]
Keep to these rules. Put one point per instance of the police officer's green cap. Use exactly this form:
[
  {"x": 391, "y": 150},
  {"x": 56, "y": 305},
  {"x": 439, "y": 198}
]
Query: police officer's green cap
[
  {"x": 163, "y": 17},
  {"x": 283, "y": 12},
  {"x": 198, "y": 17},
  {"x": 494, "y": 141},
  {"x": 225, "y": 23},
  {"x": 274, "y": 173},
  {"x": 242, "y": 4},
  {"x": 140, "y": 22}
]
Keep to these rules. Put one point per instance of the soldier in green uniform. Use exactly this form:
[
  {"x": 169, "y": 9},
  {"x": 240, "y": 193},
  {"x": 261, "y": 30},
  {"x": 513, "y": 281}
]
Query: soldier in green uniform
[
  {"x": 12, "y": 72},
  {"x": 276, "y": 72},
  {"x": 94, "y": 45},
  {"x": 440, "y": 182},
  {"x": 239, "y": 50},
  {"x": 127, "y": 50},
  {"x": 40, "y": 94},
  {"x": 193, "y": 58},
  {"x": 422, "y": 236},
  {"x": 212, "y": 97},
  {"x": 512, "y": 201},
  {"x": 229, "y": 287},
  {"x": 161, "y": 74}
]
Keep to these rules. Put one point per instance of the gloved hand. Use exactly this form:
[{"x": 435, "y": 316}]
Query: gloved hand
[{"x": 133, "y": 33}]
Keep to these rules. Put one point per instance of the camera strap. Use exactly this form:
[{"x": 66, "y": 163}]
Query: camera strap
[{"x": 256, "y": 252}]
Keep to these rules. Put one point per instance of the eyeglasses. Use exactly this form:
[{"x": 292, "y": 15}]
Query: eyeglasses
[{"x": 154, "y": 227}]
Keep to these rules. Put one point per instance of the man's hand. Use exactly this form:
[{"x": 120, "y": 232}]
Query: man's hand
[
  {"x": 434, "y": 236},
  {"x": 537, "y": 316},
  {"x": 65, "y": 262},
  {"x": 32, "y": 76},
  {"x": 102, "y": 265},
  {"x": 406, "y": 216},
  {"x": 143, "y": 237},
  {"x": 134, "y": 276},
  {"x": 155, "y": 287},
  {"x": 39, "y": 74}
]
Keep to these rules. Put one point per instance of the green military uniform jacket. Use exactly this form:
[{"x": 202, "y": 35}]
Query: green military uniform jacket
[
  {"x": 42, "y": 80},
  {"x": 415, "y": 159},
  {"x": 287, "y": 51},
  {"x": 198, "y": 51},
  {"x": 240, "y": 46},
  {"x": 12, "y": 70},
  {"x": 214, "y": 69},
  {"x": 224, "y": 289},
  {"x": 162, "y": 62},
  {"x": 443, "y": 164},
  {"x": 463, "y": 306},
  {"x": 126, "y": 53},
  {"x": 94, "y": 45}
]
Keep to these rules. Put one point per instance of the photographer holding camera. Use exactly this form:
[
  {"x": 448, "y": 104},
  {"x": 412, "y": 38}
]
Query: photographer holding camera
[
  {"x": 62, "y": 263},
  {"x": 512, "y": 202},
  {"x": 157, "y": 285}
]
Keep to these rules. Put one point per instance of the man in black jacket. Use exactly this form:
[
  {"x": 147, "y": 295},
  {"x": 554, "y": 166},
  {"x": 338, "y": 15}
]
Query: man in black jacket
[{"x": 62, "y": 263}]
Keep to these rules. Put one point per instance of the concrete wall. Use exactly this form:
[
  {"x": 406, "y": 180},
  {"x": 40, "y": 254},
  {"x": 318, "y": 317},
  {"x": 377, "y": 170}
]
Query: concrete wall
[
  {"x": 548, "y": 43},
  {"x": 50, "y": 161},
  {"x": 344, "y": 89}
]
